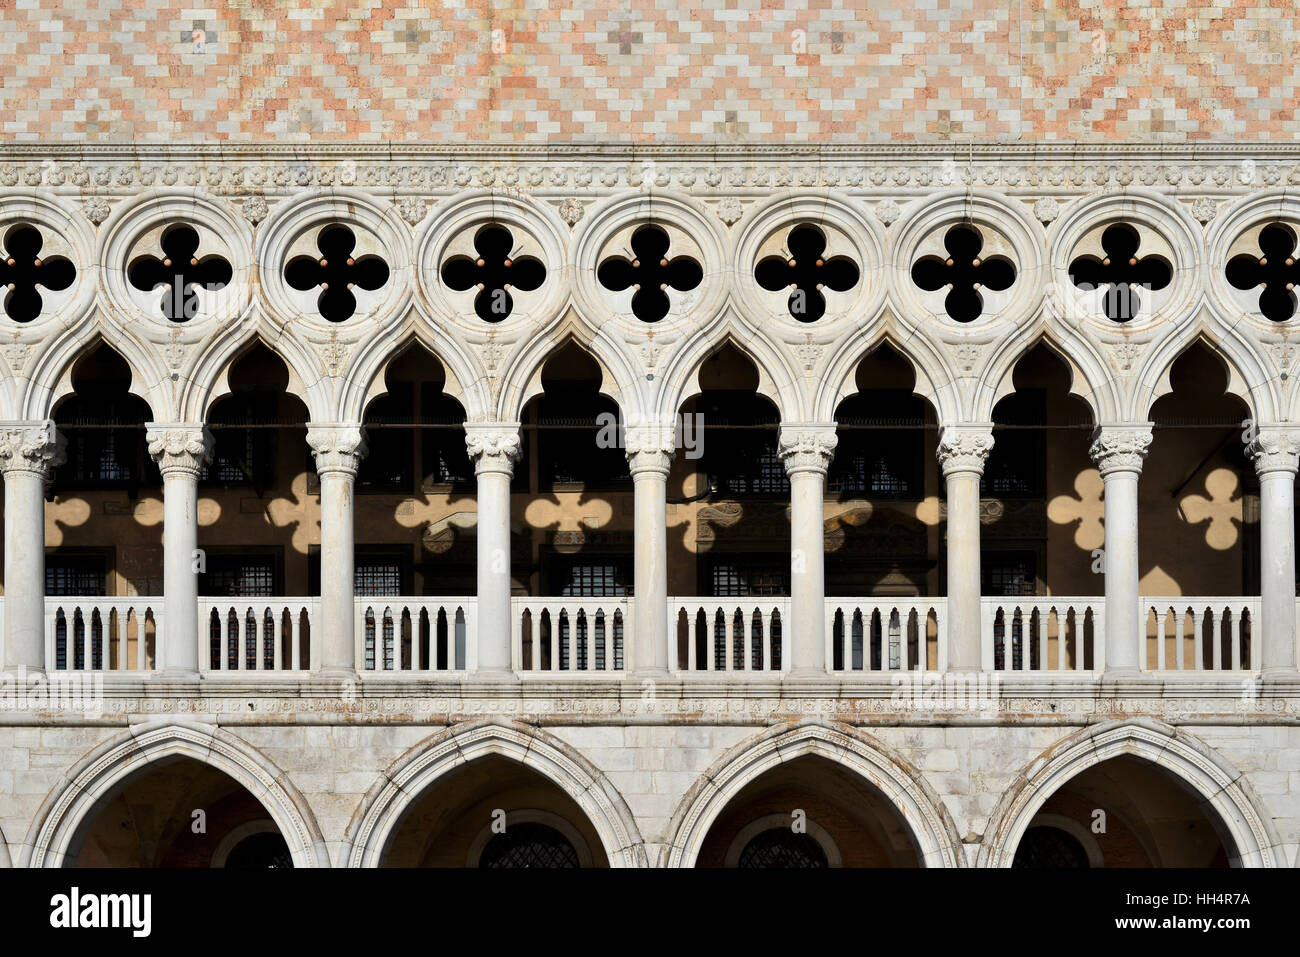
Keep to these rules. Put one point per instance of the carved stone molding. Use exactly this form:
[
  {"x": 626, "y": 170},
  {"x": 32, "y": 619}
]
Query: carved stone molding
[
  {"x": 1120, "y": 448},
  {"x": 964, "y": 448},
  {"x": 650, "y": 448},
  {"x": 494, "y": 448},
  {"x": 1275, "y": 449},
  {"x": 180, "y": 447},
  {"x": 31, "y": 447},
  {"x": 337, "y": 448},
  {"x": 806, "y": 448}
]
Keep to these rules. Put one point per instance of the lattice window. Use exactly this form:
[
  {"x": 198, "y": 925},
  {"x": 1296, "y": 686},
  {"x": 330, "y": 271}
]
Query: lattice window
[
  {"x": 239, "y": 576},
  {"x": 73, "y": 575},
  {"x": 739, "y": 578},
  {"x": 528, "y": 845},
  {"x": 1049, "y": 847},
  {"x": 781, "y": 847}
]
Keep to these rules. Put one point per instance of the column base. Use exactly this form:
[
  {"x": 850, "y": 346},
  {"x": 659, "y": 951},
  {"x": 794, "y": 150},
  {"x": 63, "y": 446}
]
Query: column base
[
  {"x": 1128, "y": 681},
  {"x": 808, "y": 674}
]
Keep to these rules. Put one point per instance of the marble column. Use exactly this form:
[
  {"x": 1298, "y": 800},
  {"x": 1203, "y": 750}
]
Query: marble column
[
  {"x": 962, "y": 451},
  {"x": 29, "y": 453},
  {"x": 806, "y": 450},
  {"x": 494, "y": 449},
  {"x": 181, "y": 449},
  {"x": 1276, "y": 453},
  {"x": 338, "y": 450},
  {"x": 1118, "y": 451},
  {"x": 649, "y": 450}
]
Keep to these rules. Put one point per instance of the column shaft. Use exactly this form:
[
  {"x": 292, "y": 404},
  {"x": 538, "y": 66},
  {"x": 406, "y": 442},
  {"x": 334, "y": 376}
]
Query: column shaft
[
  {"x": 494, "y": 450},
  {"x": 649, "y": 451},
  {"x": 1276, "y": 452},
  {"x": 962, "y": 452},
  {"x": 806, "y": 451},
  {"x": 1118, "y": 452},
  {"x": 338, "y": 450},
  {"x": 29, "y": 452}
]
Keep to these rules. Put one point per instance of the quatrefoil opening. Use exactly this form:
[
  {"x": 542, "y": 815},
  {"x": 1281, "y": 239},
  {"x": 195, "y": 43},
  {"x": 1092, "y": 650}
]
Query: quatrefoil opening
[
  {"x": 1275, "y": 272},
  {"x": 651, "y": 273},
  {"x": 806, "y": 273},
  {"x": 963, "y": 273},
  {"x": 23, "y": 273},
  {"x": 179, "y": 274},
  {"x": 493, "y": 273},
  {"x": 336, "y": 273},
  {"x": 1121, "y": 271}
]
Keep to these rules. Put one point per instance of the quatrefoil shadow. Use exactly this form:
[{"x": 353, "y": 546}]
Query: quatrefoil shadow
[
  {"x": 336, "y": 272},
  {"x": 494, "y": 273},
  {"x": 964, "y": 273},
  {"x": 1122, "y": 272},
  {"x": 651, "y": 273},
  {"x": 180, "y": 272},
  {"x": 1275, "y": 273},
  {"x": 23, "y": 273},
  {"x": 806, "y": 273}
]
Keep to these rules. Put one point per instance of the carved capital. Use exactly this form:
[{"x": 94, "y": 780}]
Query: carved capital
[
  {"x": 650, "y": 448},
  {"x": 179, "y": 447},
  {"x": 807, "y": 448},
  {"x": 337, "y": 448},
  {"x": 494, "y": 448},
  {"x": 964, "y": 448},
  {"x": 1120, "y": 448},
  {"x": 1275, "y": 449},
  {"x": 31, "y": 447}
]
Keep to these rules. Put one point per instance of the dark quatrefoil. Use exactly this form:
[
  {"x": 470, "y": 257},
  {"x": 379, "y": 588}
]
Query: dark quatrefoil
[
  {"x": 963, "y": 273},
  {"x": 1274, "y": 273},
  {"x": 180, "y": 273},
  {"x": 651, "y": 273},
  {"x": 23, "y": 273},
  {"x": 494, "y": 273},
  {"x": 336, "y": 272},
  {"x": 806, "y": 273},
  {"x": 1122, "y": 272}
]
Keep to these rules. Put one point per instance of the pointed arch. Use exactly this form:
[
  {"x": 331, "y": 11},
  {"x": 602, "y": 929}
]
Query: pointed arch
[
  {"x": 49, "y": 381},
  {"x": 778, "y": 380},
  {"x": 1248, "y": 378},
  {"x": 1091, "y": 379},
  {"x": 932, "y": 828},
  {"x": 405, "y": 781},
  {"x": 364, "y": 381},
  {"x": 1221, "y": 788},
  {"x": 521, "y": 379},
  {"x": 935, "y": 381},
  {"x": 210, "y": 382},
  {"x": 93, "y": 779}
]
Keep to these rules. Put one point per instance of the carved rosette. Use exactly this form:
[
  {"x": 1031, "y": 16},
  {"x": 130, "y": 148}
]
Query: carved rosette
[
  {"x": 1275, "y": 450},
  {"x": 650, "y": 448},
  {"x": 964, "y": 448},
  {"x": 1120, "y": 448},
  {"x": 31, "y": 447},
  {"x": 806, "y": 448},
  {"x": 494, "y": 448},
  {"x": 183, "y": 448},
  {"x": 337, "y": 448}
]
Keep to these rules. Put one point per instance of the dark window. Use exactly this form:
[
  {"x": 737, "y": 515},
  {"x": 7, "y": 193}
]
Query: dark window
[
  {"x": 76, "y": 575},
  {"x": 590, "y": 578},
  {"x": 445, "y": 457},
  {"x": 740, "y": 438},
  {"x": 528, "y": 845},
  {"x": 880, "y": 449},
  {"x": 260, "y": 852},
  {"x": 747, "y": 576},
  {"x": 1008, "y": 574},
  {"x": 239, "y": 576},
  {"x": 782, "y": 847},
  {"x": 376, "y": 571},
  {"x": 1049, "y": 847},
  {"x": 571, "y": 441},
  {"x": 1016, "y": 466},
  {"x": 389, "y": 464}
]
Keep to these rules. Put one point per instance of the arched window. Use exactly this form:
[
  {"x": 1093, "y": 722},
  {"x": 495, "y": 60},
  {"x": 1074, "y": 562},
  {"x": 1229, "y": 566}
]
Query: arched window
[
  {"x": 782, "y": 847},
  {"x": 528, "y": 845},
  {"x": 1049, "y": 847}
]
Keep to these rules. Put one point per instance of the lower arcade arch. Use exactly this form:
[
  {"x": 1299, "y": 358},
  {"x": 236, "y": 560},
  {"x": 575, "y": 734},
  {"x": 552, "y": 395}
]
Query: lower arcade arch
[
  {"x": 493, "y": 794},
  {"x": 175, "y": 797},
  {"x": 812, "y": 795},
  {"x": 1130, "y": 795}
]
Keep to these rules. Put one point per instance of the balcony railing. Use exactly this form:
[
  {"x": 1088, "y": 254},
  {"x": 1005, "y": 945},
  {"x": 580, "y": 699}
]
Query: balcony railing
[
  {"x": 882, "y": 634},
  {"x": 729, "y": 634},
  {"x": 1059, "y": 633},
  {"x": 593, "y": 636},
  {"x": 572, "y": 635}
]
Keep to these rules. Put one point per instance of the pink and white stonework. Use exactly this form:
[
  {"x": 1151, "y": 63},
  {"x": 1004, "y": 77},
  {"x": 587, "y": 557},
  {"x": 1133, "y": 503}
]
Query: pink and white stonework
[{"x": 884, "y": 676}]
